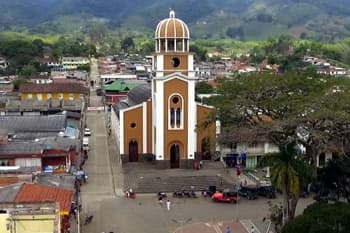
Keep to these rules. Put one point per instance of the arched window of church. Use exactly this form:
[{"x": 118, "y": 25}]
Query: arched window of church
[
  {"x": 175, "y": 112},
  {"x": 178, "y": 117},
  {"x": 172, "y": 117}
]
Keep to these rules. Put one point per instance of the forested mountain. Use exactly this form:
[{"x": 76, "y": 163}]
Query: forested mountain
[{"x": 245, "y": 20}]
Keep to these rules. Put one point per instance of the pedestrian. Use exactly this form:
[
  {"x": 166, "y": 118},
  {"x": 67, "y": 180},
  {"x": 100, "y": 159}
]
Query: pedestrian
[
  {"x": 168, "y": 204},
  {"x": 160, "y": 200},
  {"x": 228, "y": 230},
  {"x": 252, "y": 230}
]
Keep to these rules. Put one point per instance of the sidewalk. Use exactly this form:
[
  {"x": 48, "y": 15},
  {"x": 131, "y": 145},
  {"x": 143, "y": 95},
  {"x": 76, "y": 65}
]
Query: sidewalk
[{"x": 116, "y": 168}]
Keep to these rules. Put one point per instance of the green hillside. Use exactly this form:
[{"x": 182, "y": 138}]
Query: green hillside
[{"x": 244, "y": 20}]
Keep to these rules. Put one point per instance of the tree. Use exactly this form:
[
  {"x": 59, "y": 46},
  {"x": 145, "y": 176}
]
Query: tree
[
  {"x": 126, "y": 44},
  {"x": 312, "y": 110},
  {"x": 204, "y": 88},
  {"x": 235, "y": 32},
  {"x": 321, "y": 218},
  {"x": 200, "y": 52},
  {"x": 335, "y": 176},
  {"x": 27, "y": 71},
  {"x": 289, "y": 174}
]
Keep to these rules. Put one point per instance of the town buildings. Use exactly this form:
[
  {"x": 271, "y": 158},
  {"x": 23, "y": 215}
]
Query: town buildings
[{"x": 57, "y": 91}]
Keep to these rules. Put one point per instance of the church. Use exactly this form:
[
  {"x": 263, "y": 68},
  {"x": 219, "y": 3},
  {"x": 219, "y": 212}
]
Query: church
[{"x": 162, "y": 121}]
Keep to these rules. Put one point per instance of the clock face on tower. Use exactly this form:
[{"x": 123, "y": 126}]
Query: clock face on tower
[{"x": 175, "y": 61}]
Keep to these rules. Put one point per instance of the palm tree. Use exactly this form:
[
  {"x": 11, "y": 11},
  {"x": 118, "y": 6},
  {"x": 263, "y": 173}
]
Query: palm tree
[{"x": 289, "y": 174}]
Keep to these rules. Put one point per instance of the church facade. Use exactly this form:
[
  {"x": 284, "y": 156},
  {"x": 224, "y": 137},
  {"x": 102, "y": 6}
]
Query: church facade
[{"x": 162, "y": 120}]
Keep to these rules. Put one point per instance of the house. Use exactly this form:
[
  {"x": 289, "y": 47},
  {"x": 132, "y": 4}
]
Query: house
[
  {"x": 72, "y": 63},
  {"x": 55, "y": 91},
  {"x": 104, "y": 78},
  {"x": 33, "y": 141},
  {"x": 24, "y": 194},
  {"x": 40, "y": 79},
  {"x": 17, "y": 107},
  {"x": 117, "y": 90},
  {"x": 46, "y": 155},
  {"x": 38, "y": 217},
  {"x": 161, "y": 121}
]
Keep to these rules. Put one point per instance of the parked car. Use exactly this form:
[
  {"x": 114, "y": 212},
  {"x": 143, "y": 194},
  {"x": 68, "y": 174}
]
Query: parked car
[
  {"x": 86, "y": 144},
  {"x": 266, "y": 191},
  {"x": 87, "y": 132},
  {"x": 225, "y": 196},
  {"x": 249, "y": 191}
]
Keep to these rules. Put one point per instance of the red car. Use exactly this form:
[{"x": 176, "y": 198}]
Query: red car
[{"x": 225, "y": 196}]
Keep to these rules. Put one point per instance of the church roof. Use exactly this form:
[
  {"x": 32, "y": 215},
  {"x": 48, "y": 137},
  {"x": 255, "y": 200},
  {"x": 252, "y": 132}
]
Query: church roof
[
  {"x": 139, "y": 94},
  {"x": 172, "y": 28}
]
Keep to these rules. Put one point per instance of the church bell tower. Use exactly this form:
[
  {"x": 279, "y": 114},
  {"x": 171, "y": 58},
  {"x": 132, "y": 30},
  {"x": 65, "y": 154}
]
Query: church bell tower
[
  {"x": 173, "y": 94},
  {"x": 172, "y": 39}
]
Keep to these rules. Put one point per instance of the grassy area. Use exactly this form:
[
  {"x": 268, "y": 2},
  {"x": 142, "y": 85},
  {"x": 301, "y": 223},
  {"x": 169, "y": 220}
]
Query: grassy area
[{"x": 11, "y": 35}]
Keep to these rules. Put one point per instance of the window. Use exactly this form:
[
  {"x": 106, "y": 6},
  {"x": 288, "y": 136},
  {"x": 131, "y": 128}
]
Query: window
[
  {"x": 133, "y": 125},
  {"x": 175, "y": 99},
  {"x": 175, "y": 112},
  {"x": 172, "y": 117},
  {"x": 178, "y": 117},
  {"x": 30, "y": 96}
]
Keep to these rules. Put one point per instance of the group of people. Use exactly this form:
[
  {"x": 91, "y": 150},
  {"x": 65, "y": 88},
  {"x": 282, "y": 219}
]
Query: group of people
[{"x": 168, "y": 203}]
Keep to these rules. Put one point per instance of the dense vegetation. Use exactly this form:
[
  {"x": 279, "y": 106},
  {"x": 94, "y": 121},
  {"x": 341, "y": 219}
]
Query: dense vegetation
[
  {"x": 26, "y": 54},
  {"x": 321, "y": 218},
  {"x": 244, "y": 20}
]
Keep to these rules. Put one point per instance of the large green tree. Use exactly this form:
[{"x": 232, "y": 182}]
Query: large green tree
[
  {"x": 335, "y": 177},
  {"x": 321, "y": 218},
  {"x": 313, "y": 110}
]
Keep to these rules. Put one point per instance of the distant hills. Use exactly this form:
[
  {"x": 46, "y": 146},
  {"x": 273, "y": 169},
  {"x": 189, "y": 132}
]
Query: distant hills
[{"x": 240, "y": 19}]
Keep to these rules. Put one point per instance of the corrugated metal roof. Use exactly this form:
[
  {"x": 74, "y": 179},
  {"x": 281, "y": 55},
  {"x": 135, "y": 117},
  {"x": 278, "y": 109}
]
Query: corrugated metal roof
[
  {"x": 41, "y": 123},
  {"x": 120, "y": 86},
  {"x": 35, "y": 147},
  {"x": 9, "y": 192}
]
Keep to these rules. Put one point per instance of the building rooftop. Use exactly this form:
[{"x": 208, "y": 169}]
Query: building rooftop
[
  {"x": 139, "y": 94},
  {"x": 50, "y": 123},
  {"x": 43, "y": 193},
  {"x": 9, "y": 193},
  {"x": 118, "y": 86},
  {"x": 37, "y": 146},
  {"x": 53, "y": 88},
  {"x": 60, "y": 181}
]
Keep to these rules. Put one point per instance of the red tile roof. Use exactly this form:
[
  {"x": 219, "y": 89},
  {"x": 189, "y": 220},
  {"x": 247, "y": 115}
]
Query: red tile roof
[
  {"x": 53, "y": 88},
  {"x": 42, "y": 193}
]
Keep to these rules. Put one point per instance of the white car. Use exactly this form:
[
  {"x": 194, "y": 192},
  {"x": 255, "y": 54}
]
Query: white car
[{"x": 87, "y": 132}]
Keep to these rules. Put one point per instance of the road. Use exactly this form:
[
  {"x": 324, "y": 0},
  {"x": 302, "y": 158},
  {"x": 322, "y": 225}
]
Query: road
[{"x": 115, "y": 213}]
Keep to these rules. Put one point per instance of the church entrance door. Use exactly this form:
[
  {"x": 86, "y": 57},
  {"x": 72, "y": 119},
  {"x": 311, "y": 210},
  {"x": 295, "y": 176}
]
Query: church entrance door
[
  {"x": 174, "y": 156},
  {"x": 133, "y": 151}
]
